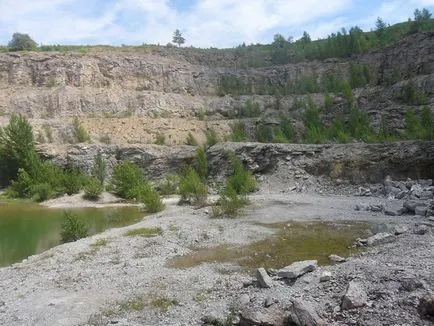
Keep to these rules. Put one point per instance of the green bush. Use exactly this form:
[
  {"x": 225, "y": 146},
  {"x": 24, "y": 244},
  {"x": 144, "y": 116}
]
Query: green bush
[
  {"x": 21, "y": 187},
  {"x": 169, "y": 186},
  {"x": 211, "y": 137},
  {"x": 17, "y": 149},
  {"x": 153, "y": 202},
  {"x": 230, "y": 203},
  {"x": 239, "y": 133},
  {"x": 160, "y": 139},
  {"x": 241, "y": 180},
  {"x": 139, "y": 192},
  {"x": 126, "y": 180},
  {"x": 411, "y": 95},
  {"x": 201, "y": 164},
  {"x": 81, "y": 134},
  {"x": 99, "y": 168},
  {"x": 427, "y": 124},
  {"x": 190, "y": 140},
  {"x": 72, "y": 228},
  {"x": 93, "y": 189},
  {"x": 191, "y": 188},
  {"x": 72, "y": 182},
  {"x": 42, "y": 192}
]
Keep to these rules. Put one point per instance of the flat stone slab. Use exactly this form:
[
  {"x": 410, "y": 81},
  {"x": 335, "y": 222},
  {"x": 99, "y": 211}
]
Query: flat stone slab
[
  {"x": 297, "y": 269},
  {"x": 380, "y": 238}
]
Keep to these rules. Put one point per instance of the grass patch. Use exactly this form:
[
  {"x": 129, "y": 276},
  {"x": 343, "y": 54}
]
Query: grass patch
[
  {"x": 135, "y": 304},
  {"x": 144, "y": 232},
  {"x": 164, "y": 303},
  {"x": 99, "y": 243}
]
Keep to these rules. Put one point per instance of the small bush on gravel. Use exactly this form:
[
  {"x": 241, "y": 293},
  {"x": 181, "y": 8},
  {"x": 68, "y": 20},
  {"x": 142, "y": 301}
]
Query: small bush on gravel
[
  {"x": 191, "y": 188},
  {"x": 72, "y": 228},
  {"x": 169, "y": 186},
  {"x": 93, "y": 189},
  {"x": 241, "y": 180},
  {"x": 153, "y": 202},
  {"x": 230, "y": 203}
]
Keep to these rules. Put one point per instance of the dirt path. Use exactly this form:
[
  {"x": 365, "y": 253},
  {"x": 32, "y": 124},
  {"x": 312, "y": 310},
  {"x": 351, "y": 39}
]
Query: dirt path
[{"x": 113, "y": 278}]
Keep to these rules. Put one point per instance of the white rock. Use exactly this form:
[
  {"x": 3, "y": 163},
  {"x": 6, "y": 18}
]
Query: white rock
[
  {"x": 336, "y": 259},
  {"x": 325, "y": 276}
]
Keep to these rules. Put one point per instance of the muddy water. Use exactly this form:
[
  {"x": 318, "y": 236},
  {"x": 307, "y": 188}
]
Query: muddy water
[
  {"x": 292, "y": 241},
  {"x": 27, "y": 229}
]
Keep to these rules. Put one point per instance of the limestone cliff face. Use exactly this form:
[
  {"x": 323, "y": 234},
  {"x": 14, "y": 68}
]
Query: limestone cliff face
[
  {"x": 51, "y": 88},
  {"x": 65, "y": 84}
]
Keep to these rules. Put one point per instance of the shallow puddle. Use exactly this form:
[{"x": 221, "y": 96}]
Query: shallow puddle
[{"x": 292, "y": 241}]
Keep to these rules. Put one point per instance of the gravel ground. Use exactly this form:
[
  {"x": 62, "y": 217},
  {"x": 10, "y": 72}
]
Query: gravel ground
[{"x": 111, "y": 278}]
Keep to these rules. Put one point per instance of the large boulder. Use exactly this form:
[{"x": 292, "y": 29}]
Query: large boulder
[
  {"x": 355, "y": 296},
  {"x": 302, "y": 313}
]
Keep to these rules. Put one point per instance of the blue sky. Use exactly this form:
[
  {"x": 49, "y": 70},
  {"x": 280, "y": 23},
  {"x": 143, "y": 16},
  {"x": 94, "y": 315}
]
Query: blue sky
[{"x": 204, "y": 23}]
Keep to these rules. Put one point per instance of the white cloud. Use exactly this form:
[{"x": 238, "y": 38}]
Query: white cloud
[{"x": 219, "y": 23}]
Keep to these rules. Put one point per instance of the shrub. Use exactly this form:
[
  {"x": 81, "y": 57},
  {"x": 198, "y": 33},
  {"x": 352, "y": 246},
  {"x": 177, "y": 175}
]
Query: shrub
[
  {"x": 81, "y": 134},
  {"x": 411, "y": 95},
  {"x": 72, "y": 228},
  {"x": 160, "y": 139},
  {"x": 211, "y": 137},
  {"x": 190, "y": 140},
  {"x": 48, "y": 132},
  {"x": 241, "y": 180},
  {"x": 99, "y": 168},
  {"x": 21, "y": 187},
  {"x": 230, "y": 203},
  {"x": 93, "y": 189},
  {"x": 427, "y": 124},
  {"x": 17, "y": 148},
  {"x": 105, "y": 139},
  {"x": 201, "y": 164},
  {"x": 239, "y": 133},
  {"x": 72, "y": 182},
  {"x": 169, "y": 186},
  {"x": 126, "y": 180},
  {"x": 42, "y": 192},
  {"x": 153, "y": 202},
  {"x": 191, "y": 188}
]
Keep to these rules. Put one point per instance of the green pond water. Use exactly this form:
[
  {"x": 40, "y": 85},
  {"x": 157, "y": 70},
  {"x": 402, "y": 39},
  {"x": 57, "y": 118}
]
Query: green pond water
[
  {"x": 292, "y": 241},
  {"x": 27, "y": 229}
]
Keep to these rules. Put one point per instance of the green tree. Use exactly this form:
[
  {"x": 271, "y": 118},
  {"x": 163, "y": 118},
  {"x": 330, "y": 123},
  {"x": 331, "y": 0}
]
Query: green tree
[
  {"x": 22, "y": 42},
  {"x": 99, "y": 168},
  {"x": 178, "y": 38},
  {"x": 126, "y": 179},
  {"x": 17, "y": 148}
]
